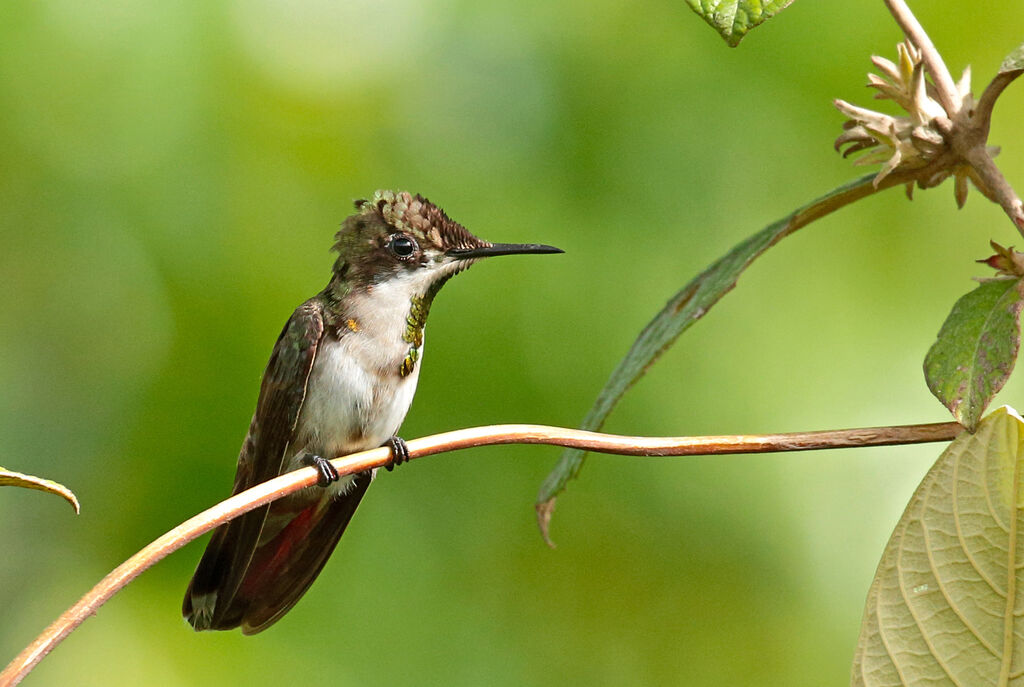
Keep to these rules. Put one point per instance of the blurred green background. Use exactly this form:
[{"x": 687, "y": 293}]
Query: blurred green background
[{"x": 171, "y": 177}]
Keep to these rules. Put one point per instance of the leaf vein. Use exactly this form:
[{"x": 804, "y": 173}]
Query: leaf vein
[
  {"x": 935, "y": 568},
  {"x": 919, "y": 520},
  {"x": 1011, "y": 572},
  {"x": 960, "y": 534}
]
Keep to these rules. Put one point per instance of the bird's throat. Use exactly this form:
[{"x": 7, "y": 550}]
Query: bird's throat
[{"x": 415, "y": 321}]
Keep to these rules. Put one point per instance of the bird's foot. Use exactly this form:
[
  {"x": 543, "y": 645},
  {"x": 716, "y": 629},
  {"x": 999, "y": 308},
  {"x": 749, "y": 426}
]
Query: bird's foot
[
  {"x": 326, "y": 472},
  {"x": 399, "y": 452}
]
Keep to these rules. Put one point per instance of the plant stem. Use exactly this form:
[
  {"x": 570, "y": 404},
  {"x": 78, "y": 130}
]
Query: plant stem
[
  {"x": 966, "y": 131},
  {"x": 441, "y": 443},
  {"x": 977, "y": 155},
  {"x": 997, "y": 188},
  {"x": 995, "y": 88},
  {"x": 946, "y": 89}
]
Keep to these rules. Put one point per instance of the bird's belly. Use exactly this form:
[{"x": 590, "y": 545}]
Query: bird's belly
[{"x": 354, "y": 400}]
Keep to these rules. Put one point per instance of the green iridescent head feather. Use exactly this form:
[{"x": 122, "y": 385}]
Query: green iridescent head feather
[{"x": 405, "y": 212}]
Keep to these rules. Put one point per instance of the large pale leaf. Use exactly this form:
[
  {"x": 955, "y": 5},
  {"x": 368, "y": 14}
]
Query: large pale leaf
[
  {"x": 946, "y": 602},
  {"x": 976, "y": 349},
  {"x": 733, "y": 18},
  {"x": 686, "y": 307},
  {"x": 9, "y": 478}
]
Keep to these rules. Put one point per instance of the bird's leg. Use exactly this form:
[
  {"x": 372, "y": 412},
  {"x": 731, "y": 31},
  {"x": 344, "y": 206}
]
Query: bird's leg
[
  {"x": 399, "y": 452},
  {"x": 326, "y": 471}
]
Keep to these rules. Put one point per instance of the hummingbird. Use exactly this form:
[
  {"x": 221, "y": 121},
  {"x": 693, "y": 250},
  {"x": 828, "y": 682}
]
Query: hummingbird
[{"x": 340, "y": 380}]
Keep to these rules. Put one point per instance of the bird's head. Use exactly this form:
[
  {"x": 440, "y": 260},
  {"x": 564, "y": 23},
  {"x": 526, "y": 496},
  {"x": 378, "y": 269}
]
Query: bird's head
[{"x": 404, "y": 238}]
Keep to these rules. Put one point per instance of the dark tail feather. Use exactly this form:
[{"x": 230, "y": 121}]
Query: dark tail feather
[
  {"x": 240, "y": 583},
  {"x": 220, "y": 571}
]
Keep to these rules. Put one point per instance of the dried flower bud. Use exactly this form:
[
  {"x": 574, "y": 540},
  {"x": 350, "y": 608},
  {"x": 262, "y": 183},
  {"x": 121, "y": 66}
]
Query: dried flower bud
[
  {"x": 1006, "y": 261},
  {"x": 904, "y": 142}
]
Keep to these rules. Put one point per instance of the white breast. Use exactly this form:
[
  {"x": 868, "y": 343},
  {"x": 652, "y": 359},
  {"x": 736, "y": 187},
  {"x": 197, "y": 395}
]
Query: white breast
[
  {"x": 350, "y": 404},
  {"x": 356, "y": 399}
]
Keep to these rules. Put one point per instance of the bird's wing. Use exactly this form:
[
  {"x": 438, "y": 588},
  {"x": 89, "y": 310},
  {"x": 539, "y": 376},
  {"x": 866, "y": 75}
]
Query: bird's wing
[{"x": 263, "y": 455}]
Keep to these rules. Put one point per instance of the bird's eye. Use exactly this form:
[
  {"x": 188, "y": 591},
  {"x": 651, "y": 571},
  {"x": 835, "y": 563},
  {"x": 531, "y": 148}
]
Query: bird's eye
[{"x": 402, "y": 246}]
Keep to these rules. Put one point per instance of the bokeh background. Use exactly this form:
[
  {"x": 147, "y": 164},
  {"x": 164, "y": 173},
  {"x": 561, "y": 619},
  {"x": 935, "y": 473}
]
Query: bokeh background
[{"x": 170, "y": 179}]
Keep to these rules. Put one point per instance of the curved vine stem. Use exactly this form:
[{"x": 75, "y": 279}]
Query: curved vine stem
[{"x": 441, "y": 443}]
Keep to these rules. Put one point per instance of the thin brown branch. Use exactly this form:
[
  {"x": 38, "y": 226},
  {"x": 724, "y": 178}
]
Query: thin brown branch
[
  {"x": 944, "y": 85},
  {"x": 963, "y": 128},
  {"x": 967, "y": 132},
  {"x": 975, "y": 152},
  {"x": 986, "y": 103},
  {"x": 687, "y": 446},
  {"x": 441, "y": 443},
  {"x": 996, "y": 187}
]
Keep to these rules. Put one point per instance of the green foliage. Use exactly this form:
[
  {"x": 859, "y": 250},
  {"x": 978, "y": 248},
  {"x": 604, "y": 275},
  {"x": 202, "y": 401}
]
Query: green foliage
[
  {"x": 943, "y": 606},
  {"x": 976, "y": 349},
  {"x": 690, "y": 304},
  {"x": 175, "y": 174},
  {"x": 734, "y": 18}
]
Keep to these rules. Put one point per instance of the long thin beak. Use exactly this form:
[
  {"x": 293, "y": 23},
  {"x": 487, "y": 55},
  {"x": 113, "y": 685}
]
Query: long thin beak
[{"x": 502, "y": 249}]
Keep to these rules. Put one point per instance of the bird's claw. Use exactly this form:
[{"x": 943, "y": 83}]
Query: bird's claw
[
  {"x": 326, "y": 474},
  {"x": 399, "y": 452}
]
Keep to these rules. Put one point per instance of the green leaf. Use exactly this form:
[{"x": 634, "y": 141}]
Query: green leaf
[
  {"x": 685, "y": 308},
  {"x": 733, "y": 18},
  {"x": 1014, "y": 62},
  {"x": 9, "y": 478},
  {"x": 942, "y": 609},
  {"x": 976, "y": 349}
]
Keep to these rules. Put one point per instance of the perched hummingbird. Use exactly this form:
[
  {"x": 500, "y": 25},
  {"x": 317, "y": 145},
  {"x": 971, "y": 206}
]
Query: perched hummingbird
[{"x": 340, "y": 380}]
